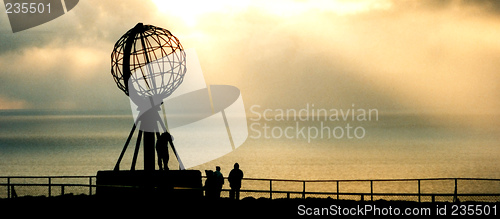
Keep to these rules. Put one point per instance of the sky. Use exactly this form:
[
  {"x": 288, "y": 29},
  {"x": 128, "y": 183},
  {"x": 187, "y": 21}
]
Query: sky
[{"x": 395, "y": 56}]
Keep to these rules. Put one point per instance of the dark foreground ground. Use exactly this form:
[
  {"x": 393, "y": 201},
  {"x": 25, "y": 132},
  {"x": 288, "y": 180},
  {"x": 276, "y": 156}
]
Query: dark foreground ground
[{"x": 70, "y": 206}]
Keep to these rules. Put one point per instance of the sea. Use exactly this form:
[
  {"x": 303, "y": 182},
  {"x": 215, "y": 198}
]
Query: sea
[{"x": 394, "y": 146}]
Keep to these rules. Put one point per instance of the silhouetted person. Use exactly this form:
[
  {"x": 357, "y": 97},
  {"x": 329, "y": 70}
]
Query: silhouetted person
[
  {"x": 209, "y": 184},
  {"x": 219, "y": 181},
  {"x": 234, "y": 179},
  {"x": 162, "y": 150}
]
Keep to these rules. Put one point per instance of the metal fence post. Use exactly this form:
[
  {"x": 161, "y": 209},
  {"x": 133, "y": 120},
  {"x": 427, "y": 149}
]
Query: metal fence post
[
  {"x": 270, "y": 189},
  {"x": 371, "y": 189},
  {"x": 90, "y": 185},
  {"x": 50, "y": 187},
  {"x": 337, "y": 190},
  {"x": 455, "y": 198},
  {"x": 8, "y": 187},
  {"x": 418, "y": 191},
  {"x": 303, "y": 189}
]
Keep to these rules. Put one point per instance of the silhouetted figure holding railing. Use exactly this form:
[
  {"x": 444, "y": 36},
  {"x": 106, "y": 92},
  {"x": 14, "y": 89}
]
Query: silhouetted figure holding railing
[
  {"x": 234, "y": 179},
  {"x": 219, "y": 181},
  {"x": 162, "y": 150},
  {"x": 13, "y": 191}
]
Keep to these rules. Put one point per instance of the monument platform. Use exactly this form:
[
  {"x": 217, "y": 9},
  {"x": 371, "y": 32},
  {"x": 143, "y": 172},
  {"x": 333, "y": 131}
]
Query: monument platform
[{"x": 161, "y": 183}]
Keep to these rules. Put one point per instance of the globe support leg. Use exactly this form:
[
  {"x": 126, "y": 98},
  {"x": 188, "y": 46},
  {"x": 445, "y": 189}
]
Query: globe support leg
[
  {"x": 117, "y": 165},
  {"x": 181, "y": 166},
  {"x": 136, "y": 151},
  {"x": 149, "y": 151}
]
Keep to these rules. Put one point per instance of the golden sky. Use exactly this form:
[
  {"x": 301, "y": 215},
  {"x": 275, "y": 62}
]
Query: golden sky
[{"x": 415, "y": 56}]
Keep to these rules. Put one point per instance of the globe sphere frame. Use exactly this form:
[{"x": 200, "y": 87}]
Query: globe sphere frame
[{"x": 151, "y": 59}]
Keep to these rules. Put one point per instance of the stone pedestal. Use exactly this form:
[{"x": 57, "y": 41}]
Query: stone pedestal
[{"x": 165, "y": 184}]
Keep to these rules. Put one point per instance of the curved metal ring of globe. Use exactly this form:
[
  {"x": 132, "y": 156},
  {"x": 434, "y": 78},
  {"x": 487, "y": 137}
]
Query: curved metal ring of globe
[{"x": 148, "y": 61}]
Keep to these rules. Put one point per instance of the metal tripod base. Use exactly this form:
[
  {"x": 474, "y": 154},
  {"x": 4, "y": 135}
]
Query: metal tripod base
[{"x": 149, "y": 151}]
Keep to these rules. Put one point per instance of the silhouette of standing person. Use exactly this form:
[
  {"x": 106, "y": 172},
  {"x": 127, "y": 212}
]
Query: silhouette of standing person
[
  {"x": 219, "y": 181},
  {"x": 209, "y": 184},
  {"x": 234, "y": 179},
  {"x": 162, "y": 150}
]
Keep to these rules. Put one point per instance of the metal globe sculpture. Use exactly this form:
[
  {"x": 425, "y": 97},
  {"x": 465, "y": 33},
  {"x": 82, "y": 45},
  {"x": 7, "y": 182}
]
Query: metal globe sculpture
[
  {"x": 148, "y": 64},
  {"x": 148, "y": 61}
]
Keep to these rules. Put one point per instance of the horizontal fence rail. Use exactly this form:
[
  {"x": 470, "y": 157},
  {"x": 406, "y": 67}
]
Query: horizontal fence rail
[
  {"x": 17, "y": 186},
  {"x": 418, "y": 190}
]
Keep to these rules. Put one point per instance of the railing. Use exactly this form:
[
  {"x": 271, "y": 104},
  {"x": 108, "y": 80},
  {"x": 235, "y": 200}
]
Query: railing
[
  {"x": 36, "y": 186},
  {"x": 436, "y": 189},
  {"x": 418, "y": 190}
]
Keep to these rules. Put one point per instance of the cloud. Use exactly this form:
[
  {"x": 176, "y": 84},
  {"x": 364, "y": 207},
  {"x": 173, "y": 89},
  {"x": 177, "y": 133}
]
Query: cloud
[
  {"x": 483, "y": 7},
  {"x": 65, "y": 63},
  {"x": 8, "y": 103},
  {"x": 415, "y": 59},
  {"x": 392, "y": 55},
  {"x": 88, "y": 23}
]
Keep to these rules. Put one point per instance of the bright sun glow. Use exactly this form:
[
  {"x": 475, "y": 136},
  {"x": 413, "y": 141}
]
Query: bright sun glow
[{"x": 191, "y": 10}]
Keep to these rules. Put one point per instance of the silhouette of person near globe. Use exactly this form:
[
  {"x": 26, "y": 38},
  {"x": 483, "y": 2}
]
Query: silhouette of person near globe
[
  {"x": 213, "y": 183},
  {"x": 209, "y": 184},
  {"x": 162, "y": 150},
  {"x": 219, "y": 181},
  {"x": 234, "y": 179}
]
